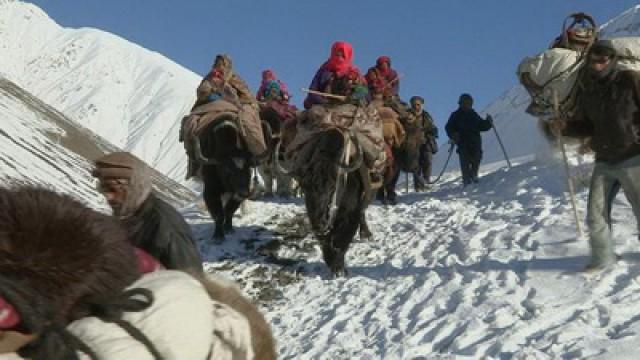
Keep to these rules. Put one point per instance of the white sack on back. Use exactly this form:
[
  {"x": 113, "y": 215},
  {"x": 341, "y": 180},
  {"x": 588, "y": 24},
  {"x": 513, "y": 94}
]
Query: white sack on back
[{"x": 556, "y": 70}]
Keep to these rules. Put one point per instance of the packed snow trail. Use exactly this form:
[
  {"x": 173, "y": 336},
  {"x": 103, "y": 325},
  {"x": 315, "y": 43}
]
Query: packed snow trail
[{"x": 492, "y": 272}]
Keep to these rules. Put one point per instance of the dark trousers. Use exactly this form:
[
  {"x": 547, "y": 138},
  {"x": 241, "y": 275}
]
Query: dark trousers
[
  {"x": 424, "y": 169},
  {"x": 387, "y": 193},
  {"x": 469, "y": 164}
]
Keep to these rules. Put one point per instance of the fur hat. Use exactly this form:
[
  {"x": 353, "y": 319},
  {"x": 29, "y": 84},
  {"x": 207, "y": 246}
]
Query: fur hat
[{"x": 55, "y": 254}]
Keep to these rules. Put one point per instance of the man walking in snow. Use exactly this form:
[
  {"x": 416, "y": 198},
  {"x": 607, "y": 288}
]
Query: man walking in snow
[
  {"x": 423, "y": 120},
  {"x": 153, "y": 225},
  {"x": 463, "y": 128},
  {"x": 608, "y": 111}
]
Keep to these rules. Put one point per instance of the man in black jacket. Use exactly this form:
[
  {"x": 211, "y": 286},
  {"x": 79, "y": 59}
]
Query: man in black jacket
[
  {"x": 153, "y": 225},
  {"x": 463, "y": 128},
  {"x": 608, "y": 112}
]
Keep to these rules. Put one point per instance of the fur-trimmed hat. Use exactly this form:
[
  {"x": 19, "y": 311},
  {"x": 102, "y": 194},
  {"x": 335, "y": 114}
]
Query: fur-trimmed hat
[{"x": 55, "y": 253}]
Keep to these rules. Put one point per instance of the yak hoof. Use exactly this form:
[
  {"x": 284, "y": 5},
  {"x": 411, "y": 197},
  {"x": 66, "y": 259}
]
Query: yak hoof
[
  {"x": 218, "y": 236},
  {"x": 338, "y": 273},
  {"x": 366, "y": 236}
]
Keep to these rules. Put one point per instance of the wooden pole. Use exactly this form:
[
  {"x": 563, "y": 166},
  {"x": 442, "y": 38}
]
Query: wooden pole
[
  {"x": 504, "y": 151},
  {"x": 338, "y": 97},
  {"x": 572, "y": 193}
]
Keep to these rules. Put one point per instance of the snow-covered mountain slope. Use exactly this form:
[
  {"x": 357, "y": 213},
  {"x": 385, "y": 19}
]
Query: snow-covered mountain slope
[
  {"x": 133, "y": 97},
  {"x": 493, "y": 272},
  {"x": 39, "y": 145},
  {"x": 519, "y": 130}
]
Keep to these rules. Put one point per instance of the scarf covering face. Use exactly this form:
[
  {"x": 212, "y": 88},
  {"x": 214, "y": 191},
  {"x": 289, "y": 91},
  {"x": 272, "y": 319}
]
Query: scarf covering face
[
  {"x": 339, "y": 65},
  {"x": 387, "y": 72},
  {"x": 224, "y": 64}
]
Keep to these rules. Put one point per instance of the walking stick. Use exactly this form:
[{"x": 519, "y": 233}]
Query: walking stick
[
  {"x": 572, "y": 193},
  {"x": 506, "y": 157}
]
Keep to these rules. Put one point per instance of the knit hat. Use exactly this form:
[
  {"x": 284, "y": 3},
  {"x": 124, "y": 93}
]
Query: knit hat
[{"x": 416, "y": 99}]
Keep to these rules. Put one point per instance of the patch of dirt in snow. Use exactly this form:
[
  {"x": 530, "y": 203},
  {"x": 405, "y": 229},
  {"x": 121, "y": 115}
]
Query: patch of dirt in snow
[{"x": 277, "y": 251}]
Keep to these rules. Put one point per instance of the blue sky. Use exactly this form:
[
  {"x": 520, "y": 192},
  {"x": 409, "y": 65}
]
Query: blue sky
[{"x": 443, "y": 47}]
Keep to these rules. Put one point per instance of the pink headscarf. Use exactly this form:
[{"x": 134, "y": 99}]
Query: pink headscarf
[
  {"x": 387, "y": 72},
  {"x": 268, "y": 75}
]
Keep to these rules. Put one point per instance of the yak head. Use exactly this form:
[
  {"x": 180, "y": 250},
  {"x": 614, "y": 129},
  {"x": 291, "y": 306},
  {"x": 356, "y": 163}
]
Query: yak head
[{"x": 335, "y": 154}]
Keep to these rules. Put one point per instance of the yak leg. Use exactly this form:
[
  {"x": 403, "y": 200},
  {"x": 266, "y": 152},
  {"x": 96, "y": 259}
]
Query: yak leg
[
  {"x": 230, "y": 209},
  {"x": 365, "y": 232},
  {"x": 344, "y": 228},
  {"x": 214, "y": 204},
  {"x": 338, "y": 241}
]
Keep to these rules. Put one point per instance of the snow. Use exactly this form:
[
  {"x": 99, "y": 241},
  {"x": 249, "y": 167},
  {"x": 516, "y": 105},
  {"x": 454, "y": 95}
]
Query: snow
[
  {"x": 40, "y": 146},
  {"x": 491, "y": 272},
  {"x": 133, "y": 97}
]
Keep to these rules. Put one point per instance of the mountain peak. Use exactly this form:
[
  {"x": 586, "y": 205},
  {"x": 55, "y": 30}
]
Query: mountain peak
[{"x": 625, "y": 24}]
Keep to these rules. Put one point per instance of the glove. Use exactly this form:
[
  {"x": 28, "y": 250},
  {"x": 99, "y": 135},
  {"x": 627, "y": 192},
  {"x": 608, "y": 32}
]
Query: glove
[{"x": 490, "y": 119}]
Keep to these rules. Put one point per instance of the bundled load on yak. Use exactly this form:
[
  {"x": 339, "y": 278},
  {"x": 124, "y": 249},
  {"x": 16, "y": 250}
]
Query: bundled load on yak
[
  {"x": 222, "y": 101},
  {"x": 558, "y": 71},
  {"x": 224, "y": 137},
  {"x": 337, "y": 156}
]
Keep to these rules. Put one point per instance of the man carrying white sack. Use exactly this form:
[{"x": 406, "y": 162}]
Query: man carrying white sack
[{"x": 608, "y": 112}]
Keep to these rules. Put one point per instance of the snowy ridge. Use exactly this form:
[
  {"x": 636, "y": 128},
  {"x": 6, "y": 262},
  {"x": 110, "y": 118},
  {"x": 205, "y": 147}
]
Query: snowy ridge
[
  {"x": 39, "y": 145},
  {"x": 133, "y": 97},
  {"x": 625, "y": 24}
]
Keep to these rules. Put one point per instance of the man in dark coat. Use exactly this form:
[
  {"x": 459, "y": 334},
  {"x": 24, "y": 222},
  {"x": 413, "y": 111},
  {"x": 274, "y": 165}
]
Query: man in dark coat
[
  {"x": 424, "y": 122},
  {"x": 153, "y": 225},
  {"x": 608, "y": 112},
  {"x": 463, "y": 128}
]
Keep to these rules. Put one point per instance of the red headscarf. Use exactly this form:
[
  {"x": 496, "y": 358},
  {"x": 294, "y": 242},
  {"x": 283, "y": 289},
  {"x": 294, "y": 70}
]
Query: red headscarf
[
  {"x": 341, "y": 65},
  {"x": 384, "y": 59}
]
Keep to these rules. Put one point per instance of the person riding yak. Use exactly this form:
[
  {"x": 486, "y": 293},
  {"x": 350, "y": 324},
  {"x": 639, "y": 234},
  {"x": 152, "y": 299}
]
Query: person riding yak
[
  {"x": 337, "y": 76},
  {"x": 337, "y": 155},
  {"x": 272, "y": 88},
  {"x": 223, "y": 91},
  {"x": 276, "y": 111},
  {"x": 384, "y": 83}
]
